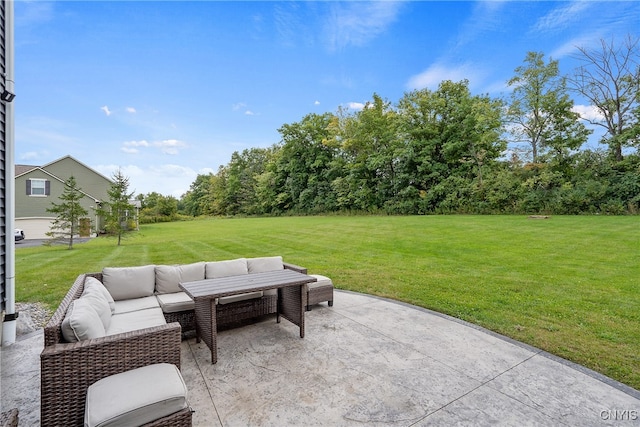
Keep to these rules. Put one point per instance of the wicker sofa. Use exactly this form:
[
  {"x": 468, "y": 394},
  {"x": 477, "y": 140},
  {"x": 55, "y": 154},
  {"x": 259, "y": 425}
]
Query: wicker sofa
[{"x": 141, "y": 325}]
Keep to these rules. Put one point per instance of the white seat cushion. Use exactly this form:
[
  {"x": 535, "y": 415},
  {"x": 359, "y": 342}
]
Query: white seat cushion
[
  {"x": 81, "y": 322},
  {"x": 168, "y": 277},
  {"x": 175, "y": 302},
  {"x": 135, "y": 304},
  {"x": 135, "y": 320},
  {"x": 129, "y": 282},
  {"x": 136, "y": 397}
]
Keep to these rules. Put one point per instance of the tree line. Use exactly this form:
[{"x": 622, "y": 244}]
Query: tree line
[{"x": 448, "y": 151}]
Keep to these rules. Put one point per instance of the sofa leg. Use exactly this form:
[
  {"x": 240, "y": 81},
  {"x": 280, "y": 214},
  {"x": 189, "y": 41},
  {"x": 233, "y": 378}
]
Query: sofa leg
[
  {"x": 331, "y": 303},
  {"x": 308, "y": 308}
]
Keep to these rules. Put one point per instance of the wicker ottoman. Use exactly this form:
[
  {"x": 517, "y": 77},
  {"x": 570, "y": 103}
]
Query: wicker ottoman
[
  {"x": 152, "y": 395},
  {"x": 319, "y": 291}
]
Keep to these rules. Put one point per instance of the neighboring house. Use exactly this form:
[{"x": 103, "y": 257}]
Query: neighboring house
[{"x": 37, "y": 187}]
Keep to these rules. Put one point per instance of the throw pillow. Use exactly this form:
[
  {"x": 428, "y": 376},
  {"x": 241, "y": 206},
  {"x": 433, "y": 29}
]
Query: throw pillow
[{"x": 81, "y": 322}]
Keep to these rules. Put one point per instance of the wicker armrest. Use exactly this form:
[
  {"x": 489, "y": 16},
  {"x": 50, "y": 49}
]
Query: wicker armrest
[
  {"x": 68, "y": 369},
  {"x": 294, "y": 267}
]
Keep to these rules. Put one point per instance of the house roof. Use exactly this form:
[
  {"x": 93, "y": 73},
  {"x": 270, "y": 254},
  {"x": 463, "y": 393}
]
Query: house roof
[{"x": 20, "y": 169}]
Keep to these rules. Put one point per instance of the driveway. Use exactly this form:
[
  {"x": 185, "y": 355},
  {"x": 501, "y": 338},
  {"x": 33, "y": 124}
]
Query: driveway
[{"x": 29, "y": 243}]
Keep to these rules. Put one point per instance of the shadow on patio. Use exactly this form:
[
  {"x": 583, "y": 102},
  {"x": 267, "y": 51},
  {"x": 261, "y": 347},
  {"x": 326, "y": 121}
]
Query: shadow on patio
[{"x": 365, "y": 361}]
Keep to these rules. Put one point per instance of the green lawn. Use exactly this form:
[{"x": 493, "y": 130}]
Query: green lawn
[{"x": 569, "y": 285}]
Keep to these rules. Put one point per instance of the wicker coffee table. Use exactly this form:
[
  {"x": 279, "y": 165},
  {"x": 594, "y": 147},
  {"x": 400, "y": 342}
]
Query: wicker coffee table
[{"x": 289, "y": 283}]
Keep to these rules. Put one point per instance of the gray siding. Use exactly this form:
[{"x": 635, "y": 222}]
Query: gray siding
[
  {"x": 56, "y": 173},
  {"x": 88, "y": 179},
  {"x": 36, "y": 206}
]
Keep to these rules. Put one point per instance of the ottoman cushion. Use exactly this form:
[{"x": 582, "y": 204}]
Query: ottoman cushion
[
  {"x": 322, "y": 281},
  {"x": 136, "y": 397}
]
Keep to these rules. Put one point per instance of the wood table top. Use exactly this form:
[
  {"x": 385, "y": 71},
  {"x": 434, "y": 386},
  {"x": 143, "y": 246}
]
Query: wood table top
[{"x": 232, "y": 285}]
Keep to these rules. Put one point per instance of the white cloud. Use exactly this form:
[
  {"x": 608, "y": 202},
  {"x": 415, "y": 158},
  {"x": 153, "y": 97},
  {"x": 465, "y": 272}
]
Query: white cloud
[
  {"x": 30, "y": 155},
  {"x": 174, "y": 180},
  {"x": 167, "y": 146},
  {"x": 560, "y": 17},
  {"x": 316, "y": 103},
  {"x": 486, "y": 17},
  {"x": 44, "y": 131},
  {"x": 142, "y": 143},
  {"x": 131, "y": 110},
  {"x": 588, "y": 112},
  {"x": 357, "y": 23},
  {"x": 437, "y": 73},
  {"x": 355, "y": 106},
  {"x": 239, "y": 106},
  {"x": 571, "y": 47},
  {"x": 170, "y": 146},
  {"x": 106, "y": 110},
  {"x": 170, "y": 143},
  {"x": 33, "y": 13}
]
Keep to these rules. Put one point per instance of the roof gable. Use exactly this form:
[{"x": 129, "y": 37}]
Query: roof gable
[
  {"x": 90, "y": 182},
  {"x": 68, "y": 161}
]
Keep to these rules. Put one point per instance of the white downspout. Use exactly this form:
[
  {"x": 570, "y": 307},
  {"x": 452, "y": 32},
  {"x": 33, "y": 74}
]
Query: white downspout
[{"x": 9, "y": 324}]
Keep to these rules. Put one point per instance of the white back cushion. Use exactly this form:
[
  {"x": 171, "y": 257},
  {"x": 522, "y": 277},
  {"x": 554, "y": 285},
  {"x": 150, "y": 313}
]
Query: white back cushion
[
  {"x": 129, "y": 282},
  {"x": 169, "y": 276},
  {"x": 92, "y": 282},
  {"x": 81, "y": 322},
  {"x": 234, "y": 267},
  {"x": 99, "y": 303},
  {"x": 263, "y": 264}
]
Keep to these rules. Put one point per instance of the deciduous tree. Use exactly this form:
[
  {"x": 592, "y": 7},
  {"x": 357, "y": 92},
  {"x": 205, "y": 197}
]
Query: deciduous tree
[
  {"x": 540, "y": 110},
  {"x": 609, "y": 78}
]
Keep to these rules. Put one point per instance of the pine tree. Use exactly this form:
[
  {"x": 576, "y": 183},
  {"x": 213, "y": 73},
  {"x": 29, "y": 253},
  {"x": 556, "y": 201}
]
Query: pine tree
[
  {"x": 66, "y": 224},
  {"x": 117, "y": 210}
]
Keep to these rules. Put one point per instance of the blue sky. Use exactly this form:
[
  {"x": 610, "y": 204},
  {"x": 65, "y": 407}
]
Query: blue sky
[{"x": 169, "y": 90}]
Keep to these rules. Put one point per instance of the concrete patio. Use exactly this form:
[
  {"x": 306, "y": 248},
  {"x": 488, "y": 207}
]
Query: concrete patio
[{"x": 367, "y": 361}]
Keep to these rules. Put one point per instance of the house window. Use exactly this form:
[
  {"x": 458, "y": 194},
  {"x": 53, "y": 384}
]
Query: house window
[{"x": 38, "y": 187}]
